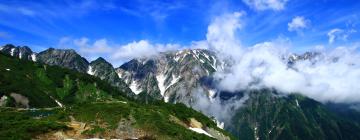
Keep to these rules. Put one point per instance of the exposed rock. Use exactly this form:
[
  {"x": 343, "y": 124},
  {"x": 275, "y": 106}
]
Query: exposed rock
[
  {"x": 23, "y": 52},
  {"x": 171, "y": 76},
  {"x": 20, "y": 100},
  {"x": 64, "y": 58}
]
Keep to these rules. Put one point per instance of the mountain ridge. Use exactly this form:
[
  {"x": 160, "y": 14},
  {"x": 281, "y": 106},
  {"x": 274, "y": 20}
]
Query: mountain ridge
[
  {"x": 69, "y": 58},
  {"x": 184, "y": 76}
]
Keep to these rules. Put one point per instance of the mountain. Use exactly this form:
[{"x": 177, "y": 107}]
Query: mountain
[
  {"x": 105, "y": 71},
  {"x": 181, "y": 75},
  {"x": 268, "y": 116},
  {"x": 311, "y": 56},
  {"x": 170, "y": 76},
  {"x": 39, "y": 101},
  {"x": 23, "y": 52},
  {"x": 64, "y": 58},
  {"x": 68, "y": 58}
]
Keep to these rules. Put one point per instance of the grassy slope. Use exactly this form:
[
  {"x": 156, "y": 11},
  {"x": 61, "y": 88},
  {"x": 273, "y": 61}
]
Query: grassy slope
[{"x": 87, "y": 99}]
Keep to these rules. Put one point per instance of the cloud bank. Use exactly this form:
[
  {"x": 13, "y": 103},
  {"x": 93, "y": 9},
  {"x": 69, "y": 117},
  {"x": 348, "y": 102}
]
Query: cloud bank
[
  {"x": 115, "y": 53},
  {"x": 332, "y": 76}
]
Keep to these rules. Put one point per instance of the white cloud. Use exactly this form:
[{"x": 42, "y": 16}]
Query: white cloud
[
  {"x": 221, "y": 33},
  {"x": 334, "y": 76},
  {"x": 115, "y": 53},
  {"x": 142, "y": 48},
  {"x": 298, "y": 23},
  {"x": 276, "y": 5},
  {"x": 339, "y": 34}
]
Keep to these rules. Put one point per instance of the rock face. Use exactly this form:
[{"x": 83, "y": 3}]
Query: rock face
[
  {"x": 68, "y": 58},
  {"x": 64, "y": 58},
  {"x": 300, "y": 57},
  {"x": 105, "y": 71},
  {"x": 171, "y": 76},
  {"x": 23, "y": 52}
]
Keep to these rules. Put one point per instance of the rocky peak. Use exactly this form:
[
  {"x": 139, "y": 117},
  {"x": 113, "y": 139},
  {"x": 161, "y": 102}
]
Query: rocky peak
[
  {"x": 311, "y": 56},
  {"x": 170, "y": 75},
  {"x": 100, "y": 60},
  {"x": 105, "y": 71},
  {"x": 21, "y": 52},
  {"x": 67, "y": 58}
]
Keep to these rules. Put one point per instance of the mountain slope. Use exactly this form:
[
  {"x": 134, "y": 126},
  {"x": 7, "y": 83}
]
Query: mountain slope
[
  {"x": 180, "y": 77},
  {"x": 171, "y": 75},
  {"x": 265, "y": 116},
  {"x": 37, "y": 85},
  {"x": 64, "y": 58},
  {"x": 68, "y": 104},
  {"x": 68, "y": 58},
  {"x": 19, "y": 52}
]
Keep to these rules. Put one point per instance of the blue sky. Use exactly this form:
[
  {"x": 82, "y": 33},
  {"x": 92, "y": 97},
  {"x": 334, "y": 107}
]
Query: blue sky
[{"x": 46, "y": 23}]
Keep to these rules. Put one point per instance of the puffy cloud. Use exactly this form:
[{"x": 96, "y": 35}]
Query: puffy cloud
[
  {"x": 222, "y": 110},
  {"x": 298, "y": 23},
  {"x": 114, "y": 53},
  {"x": 276, "y": 5},
  {"x": 140, "y": 49},
  {"x": 336, "y": 33},
  {"x": 329, "y": 77},
  {"x": 221, "y": 34},
  {"x": 332, "y": 76}
]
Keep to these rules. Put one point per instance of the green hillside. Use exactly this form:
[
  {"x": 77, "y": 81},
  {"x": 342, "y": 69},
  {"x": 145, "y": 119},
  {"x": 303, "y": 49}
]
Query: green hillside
[{"x": 40, "y": 101}]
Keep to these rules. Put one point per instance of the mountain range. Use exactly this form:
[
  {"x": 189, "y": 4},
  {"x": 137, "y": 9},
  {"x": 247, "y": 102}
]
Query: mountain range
[{"x": 174, "y": 77}]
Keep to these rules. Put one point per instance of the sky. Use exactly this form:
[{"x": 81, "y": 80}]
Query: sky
[{"x": 119, "y": 29}]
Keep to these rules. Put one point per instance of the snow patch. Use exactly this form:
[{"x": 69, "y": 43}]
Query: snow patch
[
  {"x": 297, "y": 103},
  {"x": 161, "y": 81},
  {"x": 33, "y": 57},
  {"x": 201, "y": 131},
  {"x": 256, "y": 133},
  {"x": 1, "y": 48},
  {"x": 214, "y": 64},
  {"x": 134, "y": 88},
  {"x": 173, "y": 81},
  {"x": 57, "y": 102},
  {"x": 166, "y": 98},
  {"x": 219, "y": 124},
  {"x": 120, "y": 75},
  {"x": 207, "y": 56},
  {"x": 211, "y": 95},
  {"x": 20, "y": 54},
  {"x": 177, "y": 57},
  {"x": 161, "y": 84},
  {"x": 90, "y": 71},
  {"x": 7, "y": 69},
  {"x": 12, "y": 51}
]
